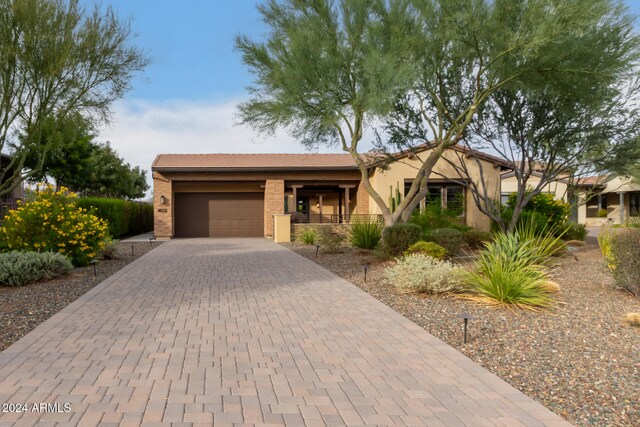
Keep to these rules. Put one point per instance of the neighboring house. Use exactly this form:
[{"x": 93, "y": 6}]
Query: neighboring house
[
  {"x": 236, "y": 195},
  {"x": 509, "y": 184},
  {"x": 612, "y": 200},
  {"x": 10, "y": 200}
]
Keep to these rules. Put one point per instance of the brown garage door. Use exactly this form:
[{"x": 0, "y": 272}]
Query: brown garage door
[{"x": 219, "y": 215}]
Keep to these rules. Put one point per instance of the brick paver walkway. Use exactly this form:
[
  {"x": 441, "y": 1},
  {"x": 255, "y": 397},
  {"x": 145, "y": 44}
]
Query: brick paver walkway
[{"x": 244, "y": 331}]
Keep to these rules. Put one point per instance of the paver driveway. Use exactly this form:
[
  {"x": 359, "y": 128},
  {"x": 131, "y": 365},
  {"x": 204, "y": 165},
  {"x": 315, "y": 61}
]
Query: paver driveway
[{"x": 244, "y": 331}]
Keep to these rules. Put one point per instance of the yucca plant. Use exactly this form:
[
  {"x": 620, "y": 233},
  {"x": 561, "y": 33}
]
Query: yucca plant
[
  {"x": 504, "y": 282},
  {"x": 309, "y": 236},
  {"x": 366, "y": 234},
  {"x": 511, "y": 269}
]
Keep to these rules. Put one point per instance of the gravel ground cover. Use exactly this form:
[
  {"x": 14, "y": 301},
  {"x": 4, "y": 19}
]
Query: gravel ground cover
[
  {"x": 23, "y": 308},
  {"x": 578, "y": 359}
]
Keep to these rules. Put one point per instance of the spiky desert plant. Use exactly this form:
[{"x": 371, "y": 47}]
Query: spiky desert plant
[
  {"x": 308, "y": 236},
  {"x": 511, "y": 269}
]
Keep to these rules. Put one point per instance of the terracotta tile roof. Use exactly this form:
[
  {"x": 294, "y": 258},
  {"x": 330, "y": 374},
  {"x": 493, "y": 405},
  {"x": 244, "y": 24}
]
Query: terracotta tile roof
[
  {"x": 253, "y": 161},
  {"x": 592, "y": 180}
]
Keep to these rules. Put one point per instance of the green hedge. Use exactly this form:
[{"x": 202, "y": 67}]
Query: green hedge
[{"x": 124, "y": 217}]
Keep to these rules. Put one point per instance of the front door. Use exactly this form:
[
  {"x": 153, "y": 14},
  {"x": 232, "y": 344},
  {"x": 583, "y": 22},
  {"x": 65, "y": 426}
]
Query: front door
[{"x": 303, "y": 205}]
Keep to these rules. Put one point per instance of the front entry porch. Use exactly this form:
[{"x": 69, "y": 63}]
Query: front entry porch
[{"x": 319, "y": 203}]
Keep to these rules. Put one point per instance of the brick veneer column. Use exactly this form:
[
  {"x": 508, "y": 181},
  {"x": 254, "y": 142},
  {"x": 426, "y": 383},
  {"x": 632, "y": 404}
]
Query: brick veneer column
[
  {"x": 162, "y": 213},
  {"x": 273, "y": 203},
  {"x": 362, "y": 200}
]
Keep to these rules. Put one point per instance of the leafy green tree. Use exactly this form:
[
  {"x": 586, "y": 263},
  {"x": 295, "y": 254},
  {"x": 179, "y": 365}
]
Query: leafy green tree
[
  {"x": 110, "y": 176},
  {"x": 567, "y": 55},
  {"x": 328, "y": 70},
  {"x": 69, "y": 145},
  {"x": 56, "y": 59},
  {"x": 580, "y": 120}
]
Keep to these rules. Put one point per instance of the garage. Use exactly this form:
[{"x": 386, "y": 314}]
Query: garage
[{"x": 219, "y": 214}]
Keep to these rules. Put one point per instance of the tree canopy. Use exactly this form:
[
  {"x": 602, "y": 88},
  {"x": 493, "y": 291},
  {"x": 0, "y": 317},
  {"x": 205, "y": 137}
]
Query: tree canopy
[
  {"x": 425, "y": 68},
  {"x": 57, "y": 59}
]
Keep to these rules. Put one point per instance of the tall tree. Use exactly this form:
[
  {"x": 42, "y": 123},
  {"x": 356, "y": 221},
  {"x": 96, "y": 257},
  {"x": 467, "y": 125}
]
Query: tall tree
[
  {"x": 583, "y": 122},
  {"x": 328, "y": 70},
  {"x": 76, "y": 161},
  {"x": 57, "y": 59},
  {"x": 110, "y": 176},
  {"x": 69, "y": 144}
]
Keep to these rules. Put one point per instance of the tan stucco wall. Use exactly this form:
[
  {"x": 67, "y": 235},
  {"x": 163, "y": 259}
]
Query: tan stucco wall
[
  {"x": 397, "y": 172},
  {"x": 557, "y": 188},
  {"x": 612, "y": 188},
  {"x": 275, "y": 183}
]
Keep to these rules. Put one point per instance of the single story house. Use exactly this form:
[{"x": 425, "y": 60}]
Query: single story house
[
  {"x": 607, "y": 200},
  {"x": 509, "y": 184},
  {"x": 237, "y": 195}
]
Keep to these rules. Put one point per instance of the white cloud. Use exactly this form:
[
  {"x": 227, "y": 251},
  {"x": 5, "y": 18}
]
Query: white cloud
[{"x": 140, "y": 130}]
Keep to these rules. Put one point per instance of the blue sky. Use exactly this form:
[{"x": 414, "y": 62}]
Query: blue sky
[
  {"x": 190, "y": 44},
  {"x": 185, "y": 100}
]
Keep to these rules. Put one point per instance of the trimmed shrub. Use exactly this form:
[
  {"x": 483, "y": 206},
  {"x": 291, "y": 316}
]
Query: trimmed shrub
[
  {"x": 434, "y": 216},
  {"x": 420, "y": 273},
  {"x": 431, "y": 249},
  {"x": 308, "y": 236},
  {"x": 476, "y": 239},
  {"x": 398, "y": 237},
  {"x": 53, "y": 223},
  {"x": 448, "y": 238},
  {"x": 331, "y": 242},
  {"x": 626, "y": 253},
  {"x": 21, "y": 268},
  {"x": 575, "y": 231},
  {"x": 366, "y": 234},
  {"x": 543, "y": 212},
  {"x": 124, "y": 217}
]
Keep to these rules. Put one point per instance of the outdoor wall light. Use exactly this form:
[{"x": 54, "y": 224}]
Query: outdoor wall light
[{"x": 163, "y": 200}]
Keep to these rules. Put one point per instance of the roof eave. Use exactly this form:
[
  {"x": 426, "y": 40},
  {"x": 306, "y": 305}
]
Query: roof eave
[{"x": 252, "y": 169}]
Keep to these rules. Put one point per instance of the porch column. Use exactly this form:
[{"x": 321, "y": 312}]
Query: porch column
[
  {"x": 621, "y": 195},
  {"x": 320, "y": 206},
  {"x": 295, "y": 197},
  {"x": 347, "y": 213}
]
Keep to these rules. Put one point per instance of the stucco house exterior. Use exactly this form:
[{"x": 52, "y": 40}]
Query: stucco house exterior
[
  {"x": 237, "y": 195},
  {"x": 559, "y": 187},
  {"x": 607, "y": 200}
]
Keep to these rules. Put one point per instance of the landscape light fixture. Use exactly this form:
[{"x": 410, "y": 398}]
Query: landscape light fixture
[
  {"x": 94, "y": 262},
  {"x": 465, "y": 316},
  {"x": 132, "y": 250},
  {"x": 366, "y": 267},
  {"x": 317, "y": 249}
]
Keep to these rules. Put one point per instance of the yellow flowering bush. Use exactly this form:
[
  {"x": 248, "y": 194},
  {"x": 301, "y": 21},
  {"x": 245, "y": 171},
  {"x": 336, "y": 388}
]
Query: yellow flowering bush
[{"x": 53, "y": 223}]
